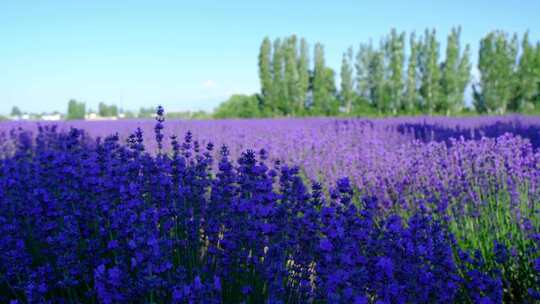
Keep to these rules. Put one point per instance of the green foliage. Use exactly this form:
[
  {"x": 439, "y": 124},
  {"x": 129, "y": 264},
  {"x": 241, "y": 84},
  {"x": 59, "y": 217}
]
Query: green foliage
[
  {"x": 288, "y": 86},
  {"x": 239, "y": 106},
  {"x": 291, "y": 104},
  {"x": 107, "y": 110},
  {"x": 479, "y": 102},
  {"x": 129, "y": 114},
  {"x": 201, "y": 115},
  {"x": 148, "y": 112},
  {"x": 394, "y": 52},
  {"x": 370, "y": 75},
  {"x": 347, "y": 84},
  {"x": 496, "y": 63},
  {"x": 362, "y": 107},
  {"x": 278, "y": 80},
  {"x": 428, "y": 84},
  {"x": 76, "y": 110},
  {"x": 497, "y": 223},
  {"x": 376, "y": 81},
  {"x": 411, "y": 98},
  {"x": 265, "y": 72},
  {"x": 455, "y": 75},
  {"x": 16, "y": 112},
  {"x": 324, "y": 100},
  {"x": 527, "y": 78},
  {"x": 362, "y": 70},
  {"x": 188, "y": 115},
  {"x": 331, "y": 106},
  {"x": 430, "y": 73},
  {"x": 303, "y": 76}
]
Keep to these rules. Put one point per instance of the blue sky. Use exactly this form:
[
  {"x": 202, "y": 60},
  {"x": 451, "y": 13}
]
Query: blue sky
[{"x": 189, "y": 55}]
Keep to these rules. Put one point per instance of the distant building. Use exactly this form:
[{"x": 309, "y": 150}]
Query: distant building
[
  {"x": 51, "y": 117},
  {"x": 95, "y": 116}
]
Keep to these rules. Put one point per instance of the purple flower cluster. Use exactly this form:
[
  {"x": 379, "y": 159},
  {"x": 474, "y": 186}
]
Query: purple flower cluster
[{"x": 91, "y": 219}]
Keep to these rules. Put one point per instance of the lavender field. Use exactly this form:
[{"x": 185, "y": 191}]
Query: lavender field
[
  {"x": 317, "y": 210},
  {"x": 380, "y": 156}
]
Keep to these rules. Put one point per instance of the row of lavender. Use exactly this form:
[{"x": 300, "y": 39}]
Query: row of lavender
[
  {"x": 383, "y": 157},
  {"x": 422, "y": 218}
]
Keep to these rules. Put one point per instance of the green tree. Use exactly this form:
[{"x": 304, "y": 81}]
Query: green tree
[
  {"x": 292, "y": 96},
  {"x": 364, "y": 71},
  {"x": 455, "y": 75},
  {"x": 239, "y": 106},
  {"x": 265, "y": 73},
  {"x": 76, "y": 110},
  {"x": 149, "y": 112},
  {"x": 331, "y": 106},
  {"x": 129, "y": 114},
  {"x": 16, "y": 112},
  {"x": 347, "y": 84},
  {"x": 105, "y": 110},
  {"x": 479, "y": 103},
  {"x": 303, "y": 75},
  {"x": 370, "y": 72},
  {"x": 394, "y": 52},
  {"x": 527, "y": 79},
  {"x": 321, "y": 79},
  {"x": 410, "y": 100},
  {"x": 429, "y": 72},
  {"x": 113, "y": 110},
  {"x": 278, "y": 82},
  {"x": 496, "y": 63},
  {"x": 464, "y": 79},
  {"x": 376, "y": 81},
  {"x": 536, "y": 98}
]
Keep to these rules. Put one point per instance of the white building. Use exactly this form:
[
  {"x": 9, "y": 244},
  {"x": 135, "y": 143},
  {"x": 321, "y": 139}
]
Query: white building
[
  {"x": 95, "y": 116},
  {"x": 51, "y": 117}
]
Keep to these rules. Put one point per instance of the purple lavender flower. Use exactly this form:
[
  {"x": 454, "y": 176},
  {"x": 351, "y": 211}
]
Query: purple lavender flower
[{"x": 87, "y": 218}]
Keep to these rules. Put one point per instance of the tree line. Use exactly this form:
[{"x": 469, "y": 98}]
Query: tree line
[
  {"x": 78, "y": 110},
  {"x": 402, "y": 74}
]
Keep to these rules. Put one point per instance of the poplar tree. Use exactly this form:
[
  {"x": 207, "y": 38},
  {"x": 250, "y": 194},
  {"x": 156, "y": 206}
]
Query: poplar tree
[
  {"x": 303, "y": 75},
  {"x": 331, "y": 106},
  {"x": 363, "y": 58},
  {"x": 527, "y": 77},
  {"x": 536, "y": 98},
  {"x": 496, "y": 63},
  {"x": 347, "y": 85},
  {"x": 455, "y": 74},
  {"x": 322, "y": 83},
  {"x": 292, "y": 97},
  {"x": 278, "y": 82},
  {"x": 410, "y": 99},
  {"x": 319, "y": 90},
  {"x": 376, "y": 81},
  {"x": 76, "y": 110},
  {"x": 394, "y": 48},
  {"x": 429, "y": 72},
  {"x": 16, "y": 112},
  {"x": 370, "y": 72},
  {"x": 265, "y": 73},
  {"x": 464, "y": 72}
]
